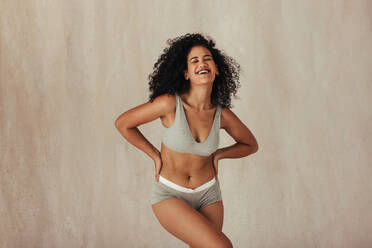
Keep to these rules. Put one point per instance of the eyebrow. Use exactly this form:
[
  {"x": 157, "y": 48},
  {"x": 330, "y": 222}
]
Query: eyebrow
[{"x": 197, "y": 57}]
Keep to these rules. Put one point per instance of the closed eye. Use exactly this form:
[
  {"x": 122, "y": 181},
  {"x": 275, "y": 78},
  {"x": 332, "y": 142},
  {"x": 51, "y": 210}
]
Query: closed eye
[{"x": 197, "y": 61}]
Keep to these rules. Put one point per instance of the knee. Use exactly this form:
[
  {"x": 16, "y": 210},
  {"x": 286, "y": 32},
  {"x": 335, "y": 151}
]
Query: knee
[
  {"x": 219, "y": 246},
  {"x": 226, "y": 244},
  {"x": 222, "y": 243}
]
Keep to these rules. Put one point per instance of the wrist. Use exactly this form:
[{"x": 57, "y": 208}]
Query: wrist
[{"x": 217, "y": 154}]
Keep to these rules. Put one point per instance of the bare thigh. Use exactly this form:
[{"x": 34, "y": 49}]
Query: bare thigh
[
  {"x": 214, "y": 213},
  {"x": 187, "y": 224}
]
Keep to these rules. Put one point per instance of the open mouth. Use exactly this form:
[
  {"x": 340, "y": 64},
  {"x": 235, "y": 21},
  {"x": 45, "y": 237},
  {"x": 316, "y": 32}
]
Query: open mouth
[{"x": 203, "y": 72}]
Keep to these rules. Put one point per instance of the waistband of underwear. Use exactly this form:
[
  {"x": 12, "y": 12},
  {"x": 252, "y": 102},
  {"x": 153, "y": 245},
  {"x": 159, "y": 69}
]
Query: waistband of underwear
[{"x": 184, "y": 189}]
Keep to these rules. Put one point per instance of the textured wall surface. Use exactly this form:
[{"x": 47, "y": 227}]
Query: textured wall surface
[{"x": 69, "y": 68}]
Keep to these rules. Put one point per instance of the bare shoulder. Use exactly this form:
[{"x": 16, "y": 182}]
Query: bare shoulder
[
  {"x": 231, "y": 123},
  {"x": 167, "y": 101},
  {"x": 227, "y": 115},
  {"x": 147, "y": 112}
]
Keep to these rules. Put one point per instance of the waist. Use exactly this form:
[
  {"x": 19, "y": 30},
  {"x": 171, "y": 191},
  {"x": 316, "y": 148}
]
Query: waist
[
  {"x": 185, "y": 189},
  {"x": 187, "y": 177}
]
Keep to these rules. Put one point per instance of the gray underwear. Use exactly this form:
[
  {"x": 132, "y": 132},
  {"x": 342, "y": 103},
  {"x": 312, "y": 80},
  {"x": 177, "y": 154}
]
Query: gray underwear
[{"x": 197, "y": 198}]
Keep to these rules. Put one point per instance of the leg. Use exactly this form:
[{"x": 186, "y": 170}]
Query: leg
[
  {"x": 211, "y": 205},
  {"x": 214, "y": 213},
  {"x": 187, "y": 224}
]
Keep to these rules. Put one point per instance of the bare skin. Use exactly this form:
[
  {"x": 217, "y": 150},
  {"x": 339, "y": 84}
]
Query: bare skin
[
  {"x": 197, "y": 228},
  {"x": 189, "y": 170}
]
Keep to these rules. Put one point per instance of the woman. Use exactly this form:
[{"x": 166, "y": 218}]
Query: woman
[{"x": 191, "y": 87}]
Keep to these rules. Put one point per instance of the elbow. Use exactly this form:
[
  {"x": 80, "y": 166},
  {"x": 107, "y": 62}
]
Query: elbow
[
  {"x": 119, "y": 124},
  {"x": 254, "y": 148},
  {"x": 116, "y": 123},
  {"x": 250, "y": 148},
  {"x": 122, "y": 125}
]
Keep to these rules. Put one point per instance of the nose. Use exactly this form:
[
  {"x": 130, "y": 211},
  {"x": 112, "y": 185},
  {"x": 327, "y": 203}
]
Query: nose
[{"x": 202, "y": 64}]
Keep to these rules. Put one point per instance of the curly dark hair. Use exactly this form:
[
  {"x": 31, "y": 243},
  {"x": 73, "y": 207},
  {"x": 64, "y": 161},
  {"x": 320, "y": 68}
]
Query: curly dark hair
[{"x": 168, "y": 76}]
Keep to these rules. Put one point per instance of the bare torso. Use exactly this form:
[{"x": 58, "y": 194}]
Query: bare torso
[{"x": 185, "y": 169}]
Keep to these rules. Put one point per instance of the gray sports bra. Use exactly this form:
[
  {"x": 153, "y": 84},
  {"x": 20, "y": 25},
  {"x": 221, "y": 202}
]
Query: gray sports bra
[{"x": 179, "y": 138}]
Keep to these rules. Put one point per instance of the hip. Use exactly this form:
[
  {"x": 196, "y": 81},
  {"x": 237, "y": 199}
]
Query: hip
[{"x": 188, "y": 178}]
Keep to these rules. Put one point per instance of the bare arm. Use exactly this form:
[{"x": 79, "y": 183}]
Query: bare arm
[
  {"x": 128, "y": 121},
  {"x": 246, "y": 143}
]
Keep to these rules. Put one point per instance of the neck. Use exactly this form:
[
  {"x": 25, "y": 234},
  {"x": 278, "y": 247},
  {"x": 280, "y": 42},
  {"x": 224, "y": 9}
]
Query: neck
[{"x": 199, "y": 99}]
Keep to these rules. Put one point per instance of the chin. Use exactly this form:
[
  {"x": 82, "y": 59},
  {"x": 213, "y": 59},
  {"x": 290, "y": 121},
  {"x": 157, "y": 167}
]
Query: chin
[{"x": 204, "y": 82}]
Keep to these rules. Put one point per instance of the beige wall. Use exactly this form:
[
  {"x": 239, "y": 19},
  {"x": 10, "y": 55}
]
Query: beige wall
[{"x": 69, "y": 68}]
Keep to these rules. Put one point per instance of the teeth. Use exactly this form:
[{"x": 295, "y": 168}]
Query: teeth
[{"x": 202, "y": 72}]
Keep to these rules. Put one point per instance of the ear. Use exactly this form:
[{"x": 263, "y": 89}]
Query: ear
[{"x": 185, "y": 75}]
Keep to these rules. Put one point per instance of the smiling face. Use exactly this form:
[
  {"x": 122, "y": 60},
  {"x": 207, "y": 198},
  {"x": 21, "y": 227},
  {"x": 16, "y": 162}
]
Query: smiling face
[{"x": 200, "y": 66}]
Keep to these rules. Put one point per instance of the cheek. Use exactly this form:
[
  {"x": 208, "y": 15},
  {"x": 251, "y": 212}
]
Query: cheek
[{"x": 191, "y": 69}]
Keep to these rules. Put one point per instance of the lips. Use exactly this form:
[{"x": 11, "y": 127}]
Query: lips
[{"x": 204, "y": 69}]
